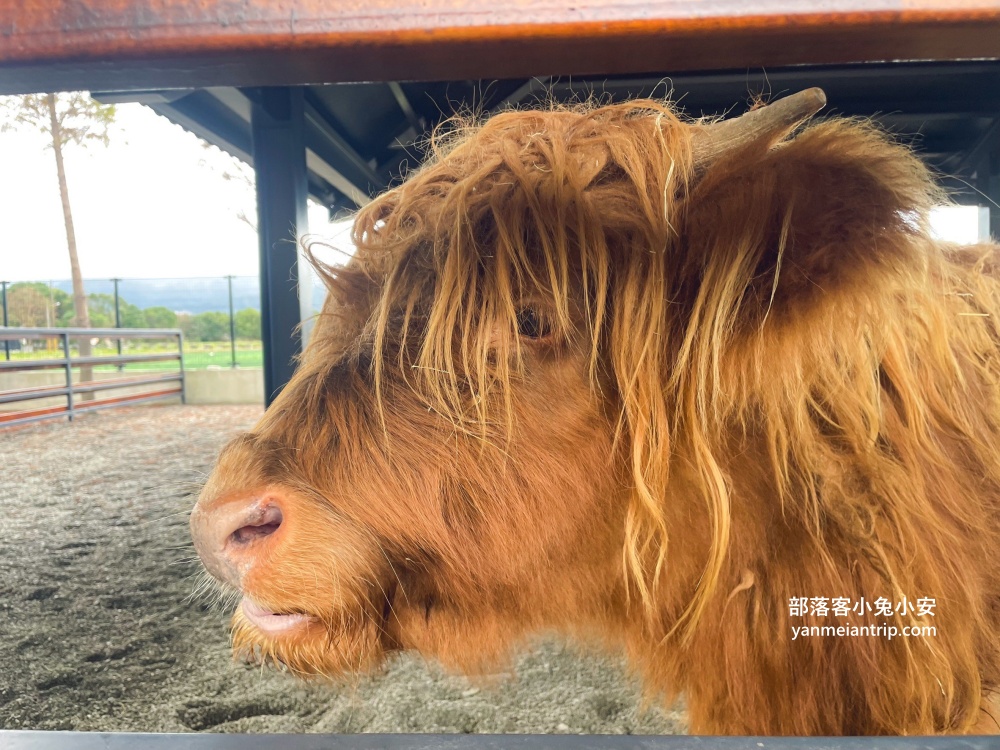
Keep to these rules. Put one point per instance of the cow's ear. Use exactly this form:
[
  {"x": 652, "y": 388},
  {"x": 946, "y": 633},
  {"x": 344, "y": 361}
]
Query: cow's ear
[{"x": 829, "y": 214}]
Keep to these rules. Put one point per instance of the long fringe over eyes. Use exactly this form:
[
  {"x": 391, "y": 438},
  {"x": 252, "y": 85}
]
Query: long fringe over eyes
[
  {"x": 701, "y": 331},
  {"x": 540, "y": 203}
]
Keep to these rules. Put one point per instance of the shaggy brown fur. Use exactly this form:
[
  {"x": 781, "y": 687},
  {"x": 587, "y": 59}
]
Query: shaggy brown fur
[{"x": 575, "y": 381}]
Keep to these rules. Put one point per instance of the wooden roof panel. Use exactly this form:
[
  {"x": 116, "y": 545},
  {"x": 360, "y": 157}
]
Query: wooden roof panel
[{"x": 136, "y": 44}]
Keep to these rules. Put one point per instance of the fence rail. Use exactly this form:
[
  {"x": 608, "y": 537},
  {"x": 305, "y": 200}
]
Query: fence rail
[
  {"x": 220, "y": 315},
  {"x": 166, "y": 385}
]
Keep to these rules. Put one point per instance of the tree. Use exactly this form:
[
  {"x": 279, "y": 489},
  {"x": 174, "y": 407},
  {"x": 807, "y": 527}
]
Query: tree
[
  {"x": 131, "y": 315},
  {"x": 159, "y": 317},
  {"x": 248, "y": 324},
  {"x": 33, "y": 304},
  {"x": 101, "y": 310},
  {"x": 209, "y": 326},
  {"x": 68, "y": 118},
  {"x": 28, "y": 307},
  {"x": 185, "y": 321}
]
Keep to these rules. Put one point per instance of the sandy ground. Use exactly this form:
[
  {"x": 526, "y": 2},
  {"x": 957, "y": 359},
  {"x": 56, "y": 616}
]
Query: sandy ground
[{"x": 97, "y": 631}]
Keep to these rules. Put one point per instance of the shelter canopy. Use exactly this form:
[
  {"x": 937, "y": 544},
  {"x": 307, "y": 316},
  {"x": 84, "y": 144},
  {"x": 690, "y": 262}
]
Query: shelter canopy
[
  {"x": 143, "y": 44},
  {"x": 254, "y": 77}
]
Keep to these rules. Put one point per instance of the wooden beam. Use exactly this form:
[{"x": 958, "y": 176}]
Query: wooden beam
[{"x": 136, "y": 44}]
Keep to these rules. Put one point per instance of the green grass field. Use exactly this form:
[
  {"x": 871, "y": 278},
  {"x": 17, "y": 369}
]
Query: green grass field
[{"x": 198, "y": 355}]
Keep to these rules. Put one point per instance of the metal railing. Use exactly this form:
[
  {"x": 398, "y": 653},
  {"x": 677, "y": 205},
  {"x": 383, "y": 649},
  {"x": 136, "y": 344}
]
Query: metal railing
[
  {"x": 219, "y": 329},
  {"x": 69, "y": 389}
]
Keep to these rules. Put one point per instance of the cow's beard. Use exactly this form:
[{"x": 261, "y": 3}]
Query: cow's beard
[{"x": 332, "y": 645}]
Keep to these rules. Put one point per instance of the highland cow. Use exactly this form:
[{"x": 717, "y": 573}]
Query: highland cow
[{"x": 677, "y": 387}]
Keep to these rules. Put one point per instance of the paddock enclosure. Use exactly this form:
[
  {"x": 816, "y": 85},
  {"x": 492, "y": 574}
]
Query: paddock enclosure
[
  {"x": 100, "y": 627},
  {"x": 100, "y": 632}
]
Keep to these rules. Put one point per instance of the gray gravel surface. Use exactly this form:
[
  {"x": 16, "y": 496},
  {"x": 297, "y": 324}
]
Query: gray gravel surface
[{"x": 97, "y": 631}]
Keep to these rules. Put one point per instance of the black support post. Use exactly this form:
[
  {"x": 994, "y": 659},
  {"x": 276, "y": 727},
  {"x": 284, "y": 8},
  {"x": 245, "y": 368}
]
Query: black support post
[
  {"x": 118, "y": 307},
  {"x": 118, "y": 320},
  {"x": 984, "y": 160},
  {"x": 993, "y": 192},
  {"x": 987, "y": 185},
  {"x": 232, "y": 326},
  {"x": 279, "y": 155},
  {"x": 6, "y": 322}
]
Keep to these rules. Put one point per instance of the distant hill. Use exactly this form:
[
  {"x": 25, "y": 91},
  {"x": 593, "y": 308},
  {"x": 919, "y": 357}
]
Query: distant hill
[{"x": 184, "y": 295}]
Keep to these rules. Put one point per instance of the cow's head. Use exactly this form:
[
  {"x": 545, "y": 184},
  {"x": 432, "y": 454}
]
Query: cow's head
[{"x": 518, "y": 389}]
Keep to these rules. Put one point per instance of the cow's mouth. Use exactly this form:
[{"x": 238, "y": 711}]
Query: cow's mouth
[
  {"x": 273, "y": 623},
  {"x": 313, "y": 642}
]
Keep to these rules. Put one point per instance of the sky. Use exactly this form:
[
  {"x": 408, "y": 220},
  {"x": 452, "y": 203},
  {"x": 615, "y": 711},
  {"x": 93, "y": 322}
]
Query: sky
[
  {"x": 153, "y": 204},
  {"x": 156, "y": 204}
]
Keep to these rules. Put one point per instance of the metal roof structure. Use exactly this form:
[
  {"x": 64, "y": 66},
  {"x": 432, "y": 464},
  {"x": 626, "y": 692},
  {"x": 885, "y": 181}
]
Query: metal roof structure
[
  {"x": 335, "y": 100},
  {"x": 361, "y": 138}
]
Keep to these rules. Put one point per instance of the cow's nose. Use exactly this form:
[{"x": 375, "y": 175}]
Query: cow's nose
[{"x": 231, "y": 535}]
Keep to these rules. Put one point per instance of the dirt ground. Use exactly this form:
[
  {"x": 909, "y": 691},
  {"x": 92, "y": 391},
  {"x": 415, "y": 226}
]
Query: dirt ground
[{"x": 97, "y": 631}]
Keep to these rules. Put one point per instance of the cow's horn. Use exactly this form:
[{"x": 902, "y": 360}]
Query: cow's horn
[{"x": 775, "y": 120}]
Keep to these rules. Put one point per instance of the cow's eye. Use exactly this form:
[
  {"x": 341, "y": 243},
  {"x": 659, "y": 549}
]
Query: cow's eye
[{"x": 531, "y": 324}]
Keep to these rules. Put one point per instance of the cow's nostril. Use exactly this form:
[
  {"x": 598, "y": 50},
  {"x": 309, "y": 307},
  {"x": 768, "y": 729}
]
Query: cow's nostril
[{"x": 262, "y": 524}]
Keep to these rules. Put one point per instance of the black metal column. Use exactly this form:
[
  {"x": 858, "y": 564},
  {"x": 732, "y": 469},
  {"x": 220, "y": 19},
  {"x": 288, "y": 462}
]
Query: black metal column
[
  {"x": 984, "y": 160},
  {"x": 993, "y": 192},
  {"x": 280, "y": 163},
  {"x": 6, "y": 343},
  {"x": 118, "y": 320},
  {"x": 232, "y": 325}
]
